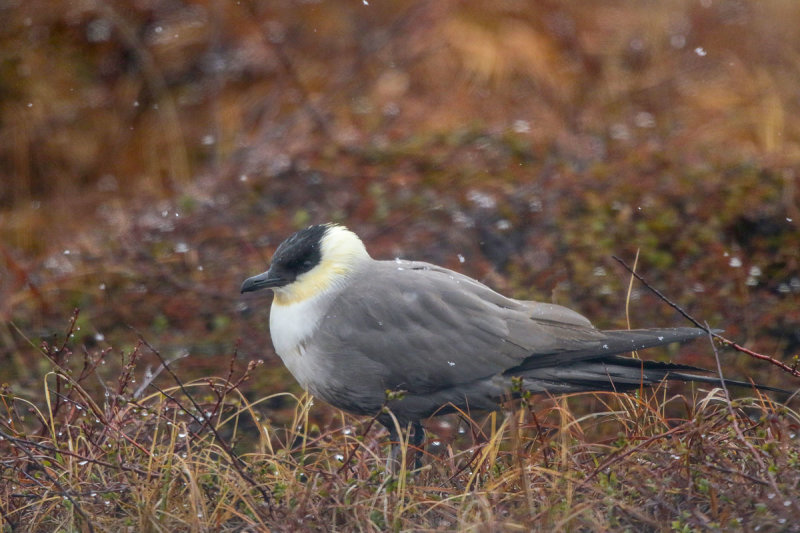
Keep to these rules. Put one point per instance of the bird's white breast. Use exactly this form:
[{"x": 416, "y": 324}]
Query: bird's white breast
[{"x": 292, "y": 327}]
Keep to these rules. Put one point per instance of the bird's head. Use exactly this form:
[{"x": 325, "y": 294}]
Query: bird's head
[{"x": 309, "y": 263}]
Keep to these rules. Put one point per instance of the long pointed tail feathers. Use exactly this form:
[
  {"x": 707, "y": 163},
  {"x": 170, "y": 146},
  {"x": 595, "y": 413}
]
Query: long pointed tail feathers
[
  {"x": 591, "y": 368},
  {"x": 657, "y": 371}
]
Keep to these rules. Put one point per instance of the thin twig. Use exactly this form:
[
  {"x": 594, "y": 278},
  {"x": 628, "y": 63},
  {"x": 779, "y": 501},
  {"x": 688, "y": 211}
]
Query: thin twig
[
  {"x": 151, "y": 376},
  {"x": 19, "y": 442},
  {"x": 277, "y": 46},
  {"x": 786, "y": 368},
  {"x": 630, "y": 290},
  {"x": 540, "y": 434},
  {"x": 621, "y": 454},
  {"x": 238, "y": 464},
  {"x": 735, "y": 419},
  {"x": 352, "y": 451},
  {"x": 61, "y": 490}
]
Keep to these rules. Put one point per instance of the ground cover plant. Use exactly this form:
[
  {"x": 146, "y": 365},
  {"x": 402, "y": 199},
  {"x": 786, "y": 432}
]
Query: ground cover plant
[{"x": 200, "y": 456}]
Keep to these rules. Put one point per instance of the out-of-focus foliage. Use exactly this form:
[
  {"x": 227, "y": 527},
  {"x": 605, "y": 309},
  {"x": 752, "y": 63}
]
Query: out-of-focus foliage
[{"x": 154, "y": 153}]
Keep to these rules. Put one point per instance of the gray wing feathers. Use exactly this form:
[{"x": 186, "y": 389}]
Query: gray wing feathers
[
  {"x": 555, "y": 314},
  {"x": 609, "y": 343},
  {"x": 425, "y": 328}
]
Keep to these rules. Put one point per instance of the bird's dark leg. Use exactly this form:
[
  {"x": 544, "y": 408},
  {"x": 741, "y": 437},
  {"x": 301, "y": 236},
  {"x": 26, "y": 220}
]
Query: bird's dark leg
[
  {"x": 393, "y": 461},
  {"x": 417, "y": 441}
]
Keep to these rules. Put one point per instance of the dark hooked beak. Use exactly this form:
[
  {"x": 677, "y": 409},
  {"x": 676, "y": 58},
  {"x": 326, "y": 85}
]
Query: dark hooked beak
[{"x": 263, "y": 281}]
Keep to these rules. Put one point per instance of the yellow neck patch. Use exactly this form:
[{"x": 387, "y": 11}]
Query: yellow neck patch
[{"x": 310, "y": 284}]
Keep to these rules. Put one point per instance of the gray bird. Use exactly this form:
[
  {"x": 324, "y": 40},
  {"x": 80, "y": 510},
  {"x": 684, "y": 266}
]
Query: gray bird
[{"x": 350, "y": 328}]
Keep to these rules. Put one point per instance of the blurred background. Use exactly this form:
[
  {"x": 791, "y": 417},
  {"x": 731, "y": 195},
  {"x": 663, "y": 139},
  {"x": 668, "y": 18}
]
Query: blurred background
[{"x": 153, "y": 154}]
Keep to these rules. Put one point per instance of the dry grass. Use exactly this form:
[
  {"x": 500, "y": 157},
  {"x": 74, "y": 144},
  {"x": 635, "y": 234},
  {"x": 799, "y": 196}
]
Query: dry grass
[{"x": 201, "y": 456}]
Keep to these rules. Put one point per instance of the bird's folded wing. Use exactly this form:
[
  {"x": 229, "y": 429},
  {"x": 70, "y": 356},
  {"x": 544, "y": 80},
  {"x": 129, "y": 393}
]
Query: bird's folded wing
[{"x": 425, "y": 328}]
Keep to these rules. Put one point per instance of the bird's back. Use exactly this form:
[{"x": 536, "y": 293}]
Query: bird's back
[{"x": 440, "y": 337}]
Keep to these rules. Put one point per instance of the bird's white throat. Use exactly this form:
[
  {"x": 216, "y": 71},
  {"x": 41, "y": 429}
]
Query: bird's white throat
[
  {"x": 291, "y": 327},
  {"x": 291, "y": 324}
]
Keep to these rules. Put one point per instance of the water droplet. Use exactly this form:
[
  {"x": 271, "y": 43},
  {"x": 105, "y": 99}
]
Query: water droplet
[
  {"x": 643, "y": 119},
  {"x": 481, "y": 199},
  {"x": 521, "y": 126},
  {"x": 619, "y": 132}
]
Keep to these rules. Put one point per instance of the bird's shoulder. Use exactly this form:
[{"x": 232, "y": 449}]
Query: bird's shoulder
[{"x": 384, "y": 279}]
